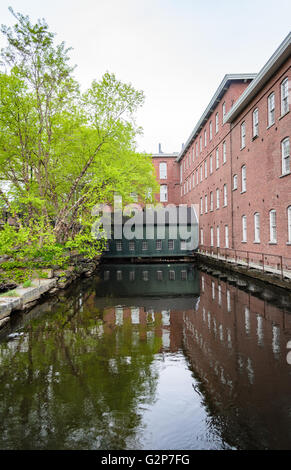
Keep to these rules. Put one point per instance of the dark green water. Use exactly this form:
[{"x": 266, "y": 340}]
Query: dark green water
[{"x": 148, "y": 361}]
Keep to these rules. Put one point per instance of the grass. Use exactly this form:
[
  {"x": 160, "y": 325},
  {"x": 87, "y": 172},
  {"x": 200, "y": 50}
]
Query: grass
[
  {"x": 27, "y": 283},
  {"x": 10, "y": 293}
]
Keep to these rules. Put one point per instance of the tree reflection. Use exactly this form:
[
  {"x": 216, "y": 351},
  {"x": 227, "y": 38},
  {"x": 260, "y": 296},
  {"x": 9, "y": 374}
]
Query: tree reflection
[{"x": 72, "y": 381}]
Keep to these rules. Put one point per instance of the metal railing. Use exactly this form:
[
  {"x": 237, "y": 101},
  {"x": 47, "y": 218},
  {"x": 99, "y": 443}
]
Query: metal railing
[{"x": 277, "y": 264}]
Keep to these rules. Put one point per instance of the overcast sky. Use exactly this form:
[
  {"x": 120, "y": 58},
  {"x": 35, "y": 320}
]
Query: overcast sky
[{"x": 176, "y": 51}]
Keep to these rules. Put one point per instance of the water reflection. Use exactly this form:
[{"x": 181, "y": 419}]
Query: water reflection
[{"x": 197, "y": 364}]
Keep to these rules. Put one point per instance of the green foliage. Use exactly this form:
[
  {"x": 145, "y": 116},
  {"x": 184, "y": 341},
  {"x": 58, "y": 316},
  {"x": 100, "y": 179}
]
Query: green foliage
[
  {"x": 10, "y": 293},
  {"x": 27, "y": 283},
  {"x": 61, "y": 151}
]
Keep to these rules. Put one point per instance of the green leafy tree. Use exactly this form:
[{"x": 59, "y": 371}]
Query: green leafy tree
[{"x": 61, "y": 151}]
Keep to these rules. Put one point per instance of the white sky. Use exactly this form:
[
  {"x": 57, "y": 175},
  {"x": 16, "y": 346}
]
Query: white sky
[{"x": 176, "y": 51}]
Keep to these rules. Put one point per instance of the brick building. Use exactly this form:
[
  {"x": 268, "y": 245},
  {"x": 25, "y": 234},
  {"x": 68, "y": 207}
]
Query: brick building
[
  {"x": 167, "y": 171},
  {"x": 236, "y": 162}
]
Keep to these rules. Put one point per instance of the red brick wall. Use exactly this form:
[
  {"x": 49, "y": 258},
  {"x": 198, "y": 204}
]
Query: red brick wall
[
  {"x": 172, "y": 180},
  {"x": 262, "y": 157}
]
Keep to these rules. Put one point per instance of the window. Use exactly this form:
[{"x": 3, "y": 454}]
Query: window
[
  {"x": 171, "y": 244},
  {"x": 181, "y": 173},
  {"x": 193, "y": 179},
  {"x": 284, "y": 97},
  {"x": 205, "y": 203},
  {"x": 243, "y": 178},
  {"x": 201, "y": 206},
  {"x": 184, "y": 275},
  {"x": 226, "y": 236},
  {"x": 205, "y": 138},
  {"x": 200, "y": 143},
  {"x": 145, "y": 275},
  {"x": 144, "y": 245},
  {"x": 183, "y": 245},
  {"x": 289, "y": 223},
  {"x": 119, "y": 245},
  {"x": 163, "y": 193},
  {"x": 243, "y": 135},
  {"x": 196, "y": 149},
  {"x": 119, "y": 275},
  {"x": 171, "y": 275},
  {"x": 244, "y": 228},
  {"x": 158, "y": 245},
  {"x": 131, "y": 245},
  {"x": 217, "y": 236},
  {"x": 216, "y": 123},
  {"x": 163, "y": 171},
  {"x": 224, "y": 152},
  {"x": 210, "y": 130},
  {"x": 189, "y": 183},
  {"x": 223, "y": 111},
  {"x": 159, "y": 275},
  {"x": 234, "y": 181},
  {"x": 193, "y": 154},
  {"x": 211, "y": 236},
  {"x": 210, "y": 164},
  {"x": 273, "y": 227},
  {"x": 225, "y": 195},
  {"x": 217, "y": 158},
  {"x": 217, "y": 198},
  {"x": 257, "y": 227},
  {"x": 205, "y": 169},
  {"x": 202, "y": 235},
  {"x": 211, "y": 201},
  {"x": 271, "y": 109},
  {"x": 286, "y": 156},
  {"x": 201, "y": 173},
  {"x": 197, "y": 181},
  {"x": 255, "y": 122}
]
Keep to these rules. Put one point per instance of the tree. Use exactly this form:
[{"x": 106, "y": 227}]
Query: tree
[{"x": 62, "y": 151}]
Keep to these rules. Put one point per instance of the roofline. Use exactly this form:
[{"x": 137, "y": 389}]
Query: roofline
[
  {"x": 213, "y": 103},
  {"x": 276, "y": 60},
  {"x": 162, "y": 155}
]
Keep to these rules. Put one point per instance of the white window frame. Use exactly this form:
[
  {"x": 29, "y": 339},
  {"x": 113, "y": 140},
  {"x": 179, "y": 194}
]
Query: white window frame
[
  {"x": 217, "y": 236},
  {"x": 201, "y": 236},
  {"x": 271, "y": 109},
  {"x": 217, "y": 198},
  {"x": 257, "y": 227},
  {"x": 211, "y": 164},
  {"x": 224, "y": 152},
  {"x": 273, "y": 226},
  {"x": 164, "y": 193},
  {"x": 163, "y": 170},
  {"x": 205, "y": 169},
  {"x": 217, "y": 158},
  {"x": 244, "y": 228},
  {"x": 200, "y": 142},
  {"x": 225, "y": 194},
  {"x": 210, "y": 130},
  {"x": 211, "y": 236},
  {"x": 226, "y": 236},
  {"x": 201, "y": 206},
  {"x": 201, "y": 172},
  {"x": 289, "y": 223},
  {"x": 255, "y": 122},
  {"x": 285, "y": 152},
  {"x": 234, "y": 182},
  {"x": 284, "y": 97},
  {"x": 243, "y": 135},
  {"x": 211, "y": 201},
  {"x": 216, "y": 122},
  {"x": 206, "y": 204},
  {"x": 223, "y": 111},
  {"x": 205, "y": 138},
  {"x": 243, "y": 179}
]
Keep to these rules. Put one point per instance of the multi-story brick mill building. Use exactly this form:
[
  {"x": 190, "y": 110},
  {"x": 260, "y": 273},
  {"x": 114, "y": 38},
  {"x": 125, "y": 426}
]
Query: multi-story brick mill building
[{"x": 236, "y": 162}]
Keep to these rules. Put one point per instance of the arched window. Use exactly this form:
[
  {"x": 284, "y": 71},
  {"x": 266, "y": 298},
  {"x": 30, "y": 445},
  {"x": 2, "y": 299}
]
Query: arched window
[
  {"x": 163, "y": 171},
  {"x": 243, "y": 178}
]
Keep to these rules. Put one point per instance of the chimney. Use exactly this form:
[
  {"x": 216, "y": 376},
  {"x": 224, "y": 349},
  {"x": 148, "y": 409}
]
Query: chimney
[{"x": 160, "y": 148}]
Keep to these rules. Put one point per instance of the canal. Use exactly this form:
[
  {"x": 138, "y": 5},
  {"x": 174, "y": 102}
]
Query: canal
[{"x": 148, "y": 357}]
